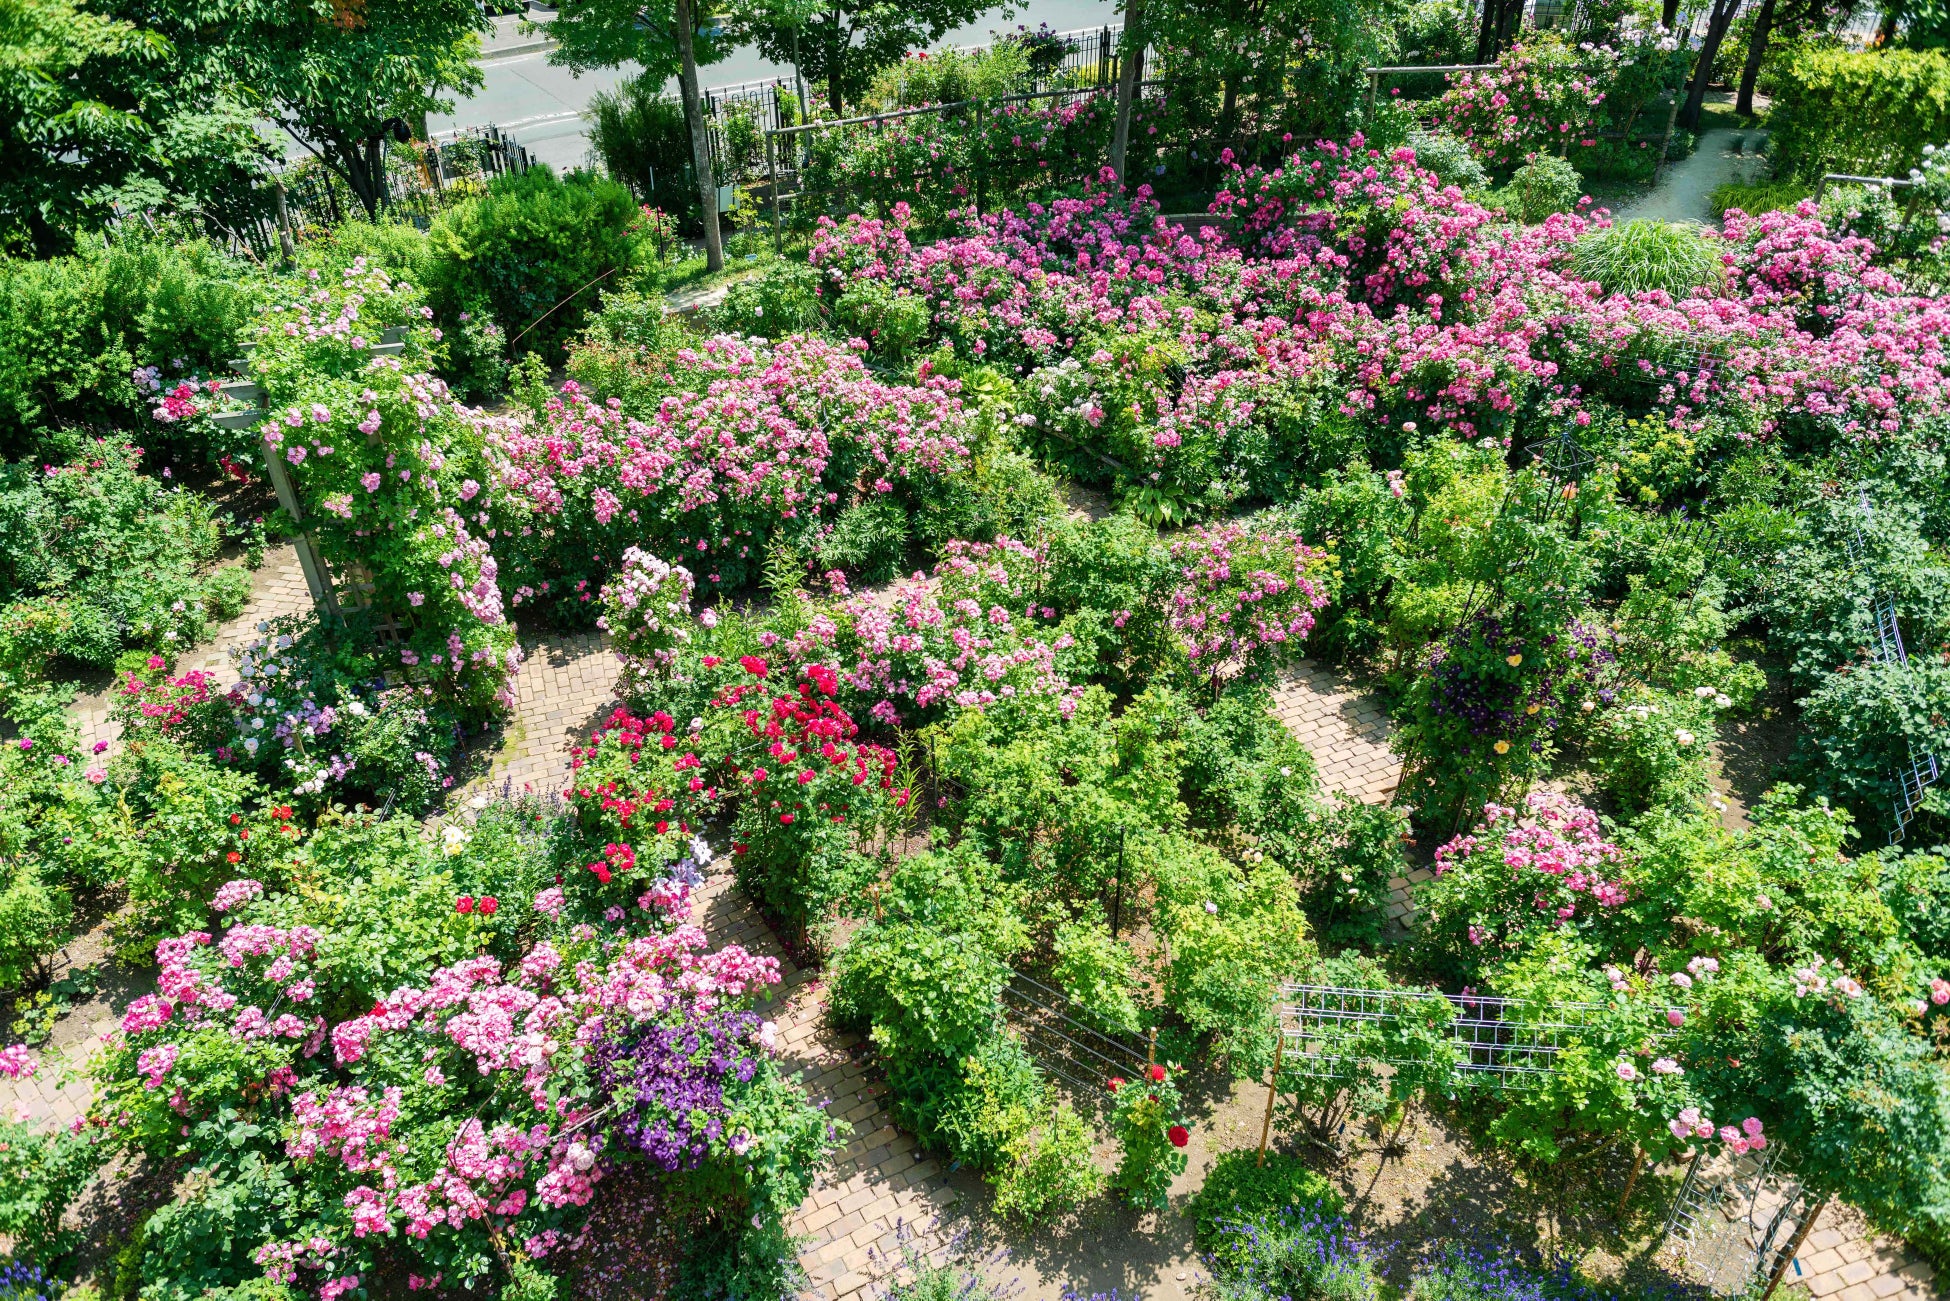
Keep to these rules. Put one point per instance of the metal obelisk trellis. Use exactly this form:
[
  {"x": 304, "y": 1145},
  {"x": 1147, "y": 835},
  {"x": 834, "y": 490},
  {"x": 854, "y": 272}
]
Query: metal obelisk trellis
[
  {"x": 318, "y": 578},
  {"x": 1921, "y": 770}
]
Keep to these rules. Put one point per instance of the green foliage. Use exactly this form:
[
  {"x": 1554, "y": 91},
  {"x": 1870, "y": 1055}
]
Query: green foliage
[
  {"x": 181, "y": 838},
  {"x": 868, "y": 540},
  {"x": 1239, "y": 1188},
  {"x": 1636, "y": 256},
  {"x": 41, "y": 1176},
  {"x": 533, "y": 252},
  {"x": 1861, "y": 730},
  {"x": 1449, "y": 158},
  {"x": 1110, "y": 578},
  {"x": 1099, "y": 975},
  {"x": 1756, "y": 197},
  {"x": 1229, "y": 951},
  {"x": 890, "y": 321},
  {"x": 951, "y": 76},
  {"x": 73, "y": 330},
  {"x": 1865, "y": 113},
  {"x": 204, "y": 1238},
  {"x": 1651, "y": 747},
  {"x": 1344, "y": 869},
  {"x": 640, "y": 136},
  {"x": 1048, "y": 1170},
  {"x": 783, "y": 300},
  {"x": 1541, "y": 188}
]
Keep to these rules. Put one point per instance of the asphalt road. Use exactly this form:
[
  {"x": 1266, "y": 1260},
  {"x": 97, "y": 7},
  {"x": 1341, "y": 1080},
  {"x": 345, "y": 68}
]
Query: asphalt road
[{"x": 541, "y": 105}]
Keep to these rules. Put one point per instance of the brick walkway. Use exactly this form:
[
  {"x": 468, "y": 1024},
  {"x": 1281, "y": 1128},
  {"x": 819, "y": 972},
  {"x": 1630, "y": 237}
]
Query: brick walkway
[
  {"x": 878, "y": 1180},
  {"x": 277, "y": 589},
  {"x": 1345, "y": 730}
]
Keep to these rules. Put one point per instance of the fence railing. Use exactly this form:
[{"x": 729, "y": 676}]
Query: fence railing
[{"x": 1080, "y": 1055}]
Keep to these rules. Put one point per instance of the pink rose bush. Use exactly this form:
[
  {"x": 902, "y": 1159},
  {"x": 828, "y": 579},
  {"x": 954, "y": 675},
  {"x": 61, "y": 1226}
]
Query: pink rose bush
[
  {"x": 471, "y": 1111},
  {"x": 754, "y": 441},
  {"x": 1244, "y": 595},
  {"x": 1546, "y": 864},
  {"x": 647, "y": 612}
]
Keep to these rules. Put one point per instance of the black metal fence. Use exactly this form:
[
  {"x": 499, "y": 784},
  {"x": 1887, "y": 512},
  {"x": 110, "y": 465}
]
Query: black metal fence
[{"x": 421, "y": 178}]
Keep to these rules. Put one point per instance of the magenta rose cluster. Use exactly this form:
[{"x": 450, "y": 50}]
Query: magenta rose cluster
[
  {"x": 458, "y": 1109},
  {"x": 760, "y": 440}
]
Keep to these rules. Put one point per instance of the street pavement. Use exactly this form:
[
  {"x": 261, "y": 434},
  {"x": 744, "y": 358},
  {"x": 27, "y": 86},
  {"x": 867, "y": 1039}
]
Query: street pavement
[{"x": 541, "y": 105}]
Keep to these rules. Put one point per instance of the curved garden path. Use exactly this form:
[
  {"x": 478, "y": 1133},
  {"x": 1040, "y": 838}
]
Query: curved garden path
[{"x": 881, "y": 1186}]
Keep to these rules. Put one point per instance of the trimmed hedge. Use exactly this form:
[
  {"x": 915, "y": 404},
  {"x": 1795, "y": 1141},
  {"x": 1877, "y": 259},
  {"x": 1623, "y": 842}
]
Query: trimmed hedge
[{"x": 1867, "y": 114}]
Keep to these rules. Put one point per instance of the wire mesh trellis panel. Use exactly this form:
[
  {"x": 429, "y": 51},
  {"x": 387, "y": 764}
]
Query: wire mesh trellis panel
[
  {"x": 1920, "y": 772},
  {"x": 1501, "y": 1042},
  {"x": 1079, "y": 1055},
  {"x": 1730, "y": 1216}
]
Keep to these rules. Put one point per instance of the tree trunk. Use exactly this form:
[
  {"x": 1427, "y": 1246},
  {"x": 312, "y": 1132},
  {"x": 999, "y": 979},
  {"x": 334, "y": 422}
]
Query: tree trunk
[
  {"x": 1756, "y": 51},
  {"x": 358, "y": 171},
  {"x": 1127, "y": 85},
  {"x": 1716, "y": 32},
  {"x": 836, "y": 66},
  {"x": 1886, "y": 32},
  {"x": 707, "y": 185},
  {"x": 1486, "y": 34},
  {"x": 1668, "y": 14}
]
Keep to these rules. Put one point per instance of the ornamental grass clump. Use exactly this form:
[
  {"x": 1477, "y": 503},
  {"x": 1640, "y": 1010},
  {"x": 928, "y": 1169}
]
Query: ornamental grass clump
[{"x": 1637, "y": 257}]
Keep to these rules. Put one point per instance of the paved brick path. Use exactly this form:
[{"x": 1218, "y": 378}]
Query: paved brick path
[
  {"x": 277, "y": 589},
  {"x": 879, "y": 1179},
  {"x": 1344, "y": 729}
]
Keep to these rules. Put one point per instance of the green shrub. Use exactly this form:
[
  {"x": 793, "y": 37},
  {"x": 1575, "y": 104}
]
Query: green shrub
[
  {"x": 1099, "y": 975},
  {"x": 1048, "y": 1171},
  {"x": 1866, "y": 113},
  {"x": 641, "y": 137},
  {"x": 951, "y": 76},
  {"x": 534, "y": 253},
  {"x": 891, "y": 322},
  {"x": 1757, "y": 197},
  {"x": 868, "y": 541},
  {"x": 1650, "y": 749},
  {"x": 1449, "y": 158},
  {"x": 783, "y": 300},
  {"x": 74, "y": 330},
  {"x": 1542, "y": 187},
  {"x": 1635, "y": 256},
  {"x": 1862, "y": 729},
  {"x": 41, "y": 1175},
  {"x": 1239, "y": 1188}
]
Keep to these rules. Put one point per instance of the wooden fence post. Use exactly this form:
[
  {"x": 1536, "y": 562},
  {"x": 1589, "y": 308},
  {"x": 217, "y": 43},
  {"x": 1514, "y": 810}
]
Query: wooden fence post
[
  {"x": 318, "y": 579},
  {"x": 1793, "y": 1248}
]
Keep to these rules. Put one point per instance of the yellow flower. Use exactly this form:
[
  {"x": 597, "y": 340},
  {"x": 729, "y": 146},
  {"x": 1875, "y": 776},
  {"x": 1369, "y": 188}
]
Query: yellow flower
[
  {"x": 1513, "y": 660},
  {"x": 1503, "y": 747},
  {"x": 1530, "y": 709}
]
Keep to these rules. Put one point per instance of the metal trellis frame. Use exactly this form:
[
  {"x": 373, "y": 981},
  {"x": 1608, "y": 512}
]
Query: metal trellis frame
[
  {"x": 1506, "y": 1042},
  {"x": 1732, "y": 1215},
  {"x": 1083, "y": 1057},
  {"x": 1920, "y": 771}
]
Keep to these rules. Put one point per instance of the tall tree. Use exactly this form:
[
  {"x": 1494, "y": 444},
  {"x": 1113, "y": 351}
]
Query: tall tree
[
  {"x": 1127, "y": 85},
  {"x": 1756, "y": 51},
  {"x": 97, "y": 113},
  {"x": 844, "y": 42},
  {"x": 664, "y": 37},
  {"x": 1709, "y": 50},
  {"x": 335, "y": 74}
]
